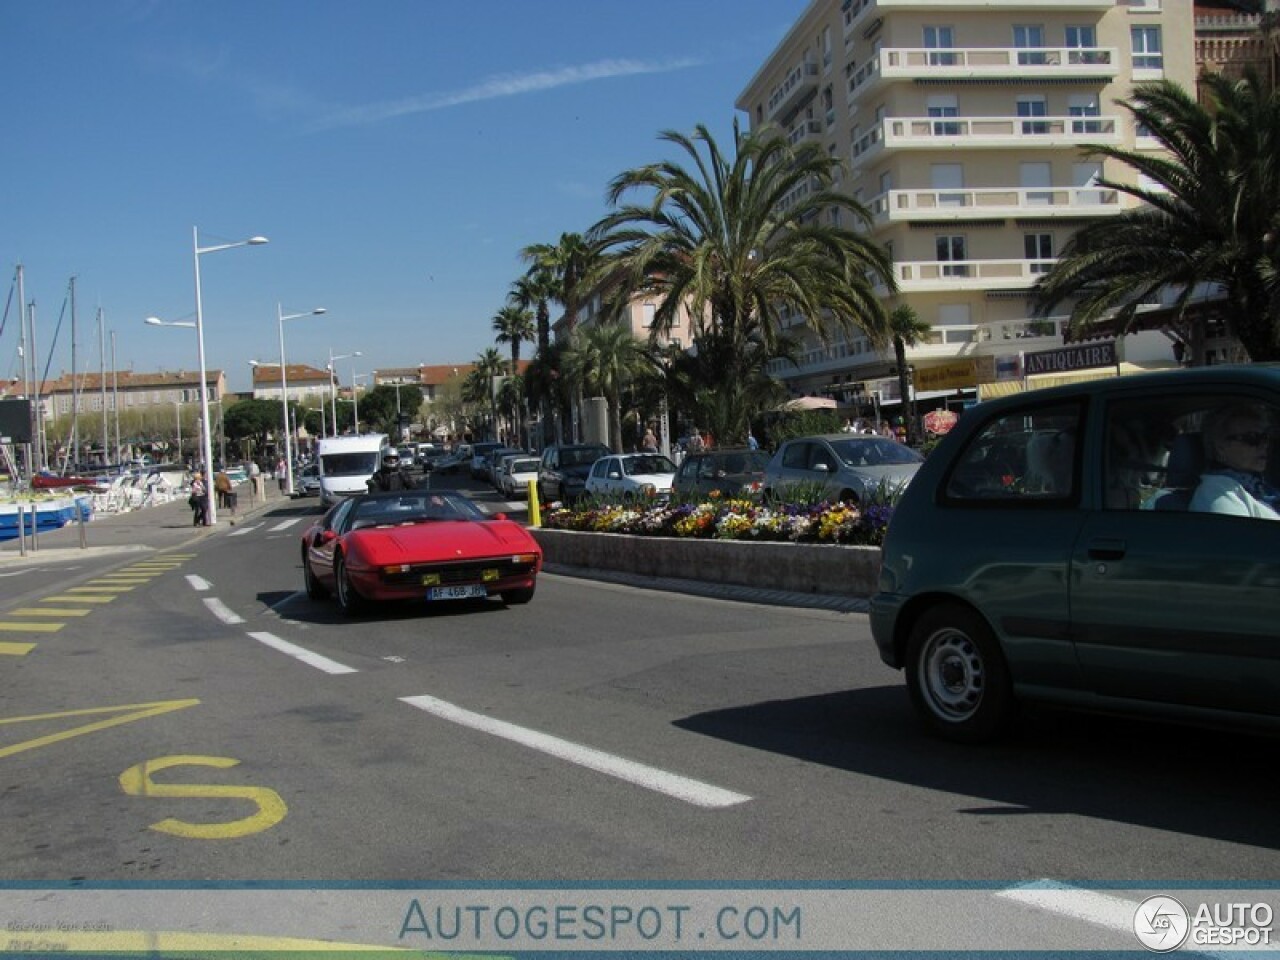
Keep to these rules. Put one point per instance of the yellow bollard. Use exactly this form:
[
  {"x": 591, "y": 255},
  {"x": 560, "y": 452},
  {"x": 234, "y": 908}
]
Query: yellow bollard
[{"x": 535, "y": 514}]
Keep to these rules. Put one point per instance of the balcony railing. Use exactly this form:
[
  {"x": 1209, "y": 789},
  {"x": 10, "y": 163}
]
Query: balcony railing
[
  {"x": 898, "y": 206},
  {"x": 941, "y": 341},
  {"x": 805, "y": 130},
  {"x": 916, "y": 276},
  {"x": 799, "y": 83},
  {"x": 1024, "y": 63},
  {"x": 937, "y": 133}
]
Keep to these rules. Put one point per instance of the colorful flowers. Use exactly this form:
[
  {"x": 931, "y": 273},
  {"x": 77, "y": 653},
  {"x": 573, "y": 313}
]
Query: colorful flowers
[{"x": 732, "y": 519}]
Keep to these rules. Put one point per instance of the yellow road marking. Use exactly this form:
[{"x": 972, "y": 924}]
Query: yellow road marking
[
  {"x": 13, "y": 626},
  {"x": 137, "y": 782},
  {"x": 127, "y": 714},
  {"x": 103, "y": 589},
  {"x": 16, "y": 649},
  {"x": 48, "y": 612},
  {"x": 85, "y": 598},
  {"x": 123, "y": 581}
]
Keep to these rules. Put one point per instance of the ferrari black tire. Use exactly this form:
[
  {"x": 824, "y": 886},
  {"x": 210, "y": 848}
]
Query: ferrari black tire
[
  {"x": 349, "y": 599},
  {"x": 315, "y": 589}
]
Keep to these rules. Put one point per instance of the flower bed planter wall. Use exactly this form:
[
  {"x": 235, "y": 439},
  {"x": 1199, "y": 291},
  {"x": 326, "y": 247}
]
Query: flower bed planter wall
[{"x": 800, "y": 567}]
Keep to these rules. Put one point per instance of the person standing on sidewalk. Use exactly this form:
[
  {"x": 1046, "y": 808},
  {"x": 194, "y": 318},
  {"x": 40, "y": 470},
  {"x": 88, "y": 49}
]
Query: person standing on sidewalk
[
  {"x": 199, "y": 500},
  {"x": 222, "y": 489}
]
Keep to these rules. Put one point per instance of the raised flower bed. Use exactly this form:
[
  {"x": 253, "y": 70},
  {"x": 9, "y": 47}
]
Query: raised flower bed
[{"x": 828, "y": 549}]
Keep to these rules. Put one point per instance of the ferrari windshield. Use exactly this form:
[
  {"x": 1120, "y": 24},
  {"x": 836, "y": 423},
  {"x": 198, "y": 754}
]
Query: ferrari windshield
[{"x": 411, "y": 507}]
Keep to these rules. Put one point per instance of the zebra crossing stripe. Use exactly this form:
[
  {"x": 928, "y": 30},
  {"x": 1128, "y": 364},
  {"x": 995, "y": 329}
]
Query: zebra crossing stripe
[
  {"x": 16, "y": 649},
  {"x": 86, "y": 598},
  {"x": 49, "y": 612},
  {"x": 13, "y": 626}
]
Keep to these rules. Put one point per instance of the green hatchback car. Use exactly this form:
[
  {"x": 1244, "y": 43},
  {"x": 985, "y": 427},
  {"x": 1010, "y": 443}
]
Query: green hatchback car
[{"x": 1110, "y": 545}]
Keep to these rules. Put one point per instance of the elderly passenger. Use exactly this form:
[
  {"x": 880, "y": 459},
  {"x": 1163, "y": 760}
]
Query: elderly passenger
[{"x": 1237, "y": 443}]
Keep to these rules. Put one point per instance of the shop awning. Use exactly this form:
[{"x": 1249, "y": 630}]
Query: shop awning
[{"x": 1004, "y": 388}]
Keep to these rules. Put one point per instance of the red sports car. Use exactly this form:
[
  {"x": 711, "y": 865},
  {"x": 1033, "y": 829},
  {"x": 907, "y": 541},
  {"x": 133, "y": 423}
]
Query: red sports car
[{"x": 417, "y": 545}]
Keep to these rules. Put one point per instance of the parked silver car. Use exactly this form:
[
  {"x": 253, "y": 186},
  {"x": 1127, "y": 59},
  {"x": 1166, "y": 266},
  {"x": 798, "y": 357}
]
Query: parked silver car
[{"x": 849, "y": 467}]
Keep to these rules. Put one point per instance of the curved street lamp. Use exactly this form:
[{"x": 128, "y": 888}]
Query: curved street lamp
[
  {"x": 333, "y": 386},
  {"x": 281, "y": 317},
  {"x": 211, "y": 514}
]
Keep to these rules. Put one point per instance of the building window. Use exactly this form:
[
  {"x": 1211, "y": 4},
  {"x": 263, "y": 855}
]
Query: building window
[
  {"x": 1027, "y": 37},
  {"x": 1083, "y": 42},
  {"x": 944, "y": 106},
  {"x": 1038, "y": 248},
  {"x": 1146, "y": 48},
  {"x": 940, "y": 39},
  {"x": 1084, "y": 105},
  {"x": 951, "y": 253},
  {"x": 1033, "y": 107}
]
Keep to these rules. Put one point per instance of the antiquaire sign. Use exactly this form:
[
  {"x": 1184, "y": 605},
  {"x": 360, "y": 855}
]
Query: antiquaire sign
[{"x": 1080, "y": 357}]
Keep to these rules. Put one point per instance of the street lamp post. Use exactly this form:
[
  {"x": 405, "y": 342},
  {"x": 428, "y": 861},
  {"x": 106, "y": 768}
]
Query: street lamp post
[
  {"x": 177, "y": 410},
  {"x": 355, "y": 397},
  {"x": 333, "y": 385},
  {"x": 284, "y": 392},
  {"x": 211, "y": 514}
]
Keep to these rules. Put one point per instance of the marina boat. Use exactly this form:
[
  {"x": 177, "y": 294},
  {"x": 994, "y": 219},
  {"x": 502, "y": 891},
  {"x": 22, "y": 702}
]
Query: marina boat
[{"x": 51, "y": 513}]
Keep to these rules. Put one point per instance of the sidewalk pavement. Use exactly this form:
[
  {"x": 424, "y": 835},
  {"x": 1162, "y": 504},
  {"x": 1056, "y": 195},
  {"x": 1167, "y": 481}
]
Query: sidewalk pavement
[{"x": 161, "y": 527}]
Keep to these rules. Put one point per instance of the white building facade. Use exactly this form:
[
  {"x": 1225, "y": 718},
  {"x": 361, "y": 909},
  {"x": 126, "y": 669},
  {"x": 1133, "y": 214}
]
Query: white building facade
[{"x": 961, "y": 126}]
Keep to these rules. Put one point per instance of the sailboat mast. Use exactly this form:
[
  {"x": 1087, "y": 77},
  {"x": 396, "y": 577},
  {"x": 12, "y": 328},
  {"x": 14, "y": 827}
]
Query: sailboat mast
[
  {"x": 26, "y": 355},
  {"x": 74, "y": 433},
  {"x": 102, "y": 379},
  {"x": 115, "y": 393}
]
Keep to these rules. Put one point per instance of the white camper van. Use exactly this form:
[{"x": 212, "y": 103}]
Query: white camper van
[{"x": 346, "y": 464}]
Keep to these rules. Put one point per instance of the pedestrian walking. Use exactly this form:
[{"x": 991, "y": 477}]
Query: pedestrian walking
[{"x": 199, "y": 500}]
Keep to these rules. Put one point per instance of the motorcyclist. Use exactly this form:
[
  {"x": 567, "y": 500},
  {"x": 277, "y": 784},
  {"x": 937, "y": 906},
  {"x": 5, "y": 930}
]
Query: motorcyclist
[{"x": 390, "y": 475}]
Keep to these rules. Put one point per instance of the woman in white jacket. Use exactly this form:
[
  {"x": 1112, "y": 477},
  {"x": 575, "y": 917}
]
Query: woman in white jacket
[{"x": 1237, "y": 439}]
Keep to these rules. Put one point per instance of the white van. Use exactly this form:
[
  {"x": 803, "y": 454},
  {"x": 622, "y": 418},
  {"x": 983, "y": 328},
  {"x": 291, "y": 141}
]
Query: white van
[{"x": 346, "y": 464}]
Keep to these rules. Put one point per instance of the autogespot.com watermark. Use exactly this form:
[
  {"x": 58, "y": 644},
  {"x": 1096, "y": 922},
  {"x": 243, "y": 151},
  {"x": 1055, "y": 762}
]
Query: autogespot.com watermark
[
  {"x": 615, "y": 921},
  {"x": 1163, "y": 924}
]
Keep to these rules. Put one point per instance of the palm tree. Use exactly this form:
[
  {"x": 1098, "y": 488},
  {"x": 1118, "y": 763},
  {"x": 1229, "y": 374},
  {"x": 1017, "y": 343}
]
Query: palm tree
[
  {"x": 534, "y": 291},
  {"x": 1210, "y": 216},
  {"x": 564, "y": 267},
  {"x": 605, "y": 358},
  {"x": 514, "y": 326},
  {"x": 567, "y": 262},
  {"x": 739, "y": 242},
  {"x": 907, "y": 330},
  {"x": 488, "y": 367}
]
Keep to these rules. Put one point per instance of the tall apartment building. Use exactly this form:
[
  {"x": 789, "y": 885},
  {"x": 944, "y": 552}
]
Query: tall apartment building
[{"x": 959, "y": 125}]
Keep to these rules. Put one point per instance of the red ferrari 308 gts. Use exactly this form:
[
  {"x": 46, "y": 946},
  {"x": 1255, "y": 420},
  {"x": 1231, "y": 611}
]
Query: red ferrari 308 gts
[{"x": 417, "y": 545}]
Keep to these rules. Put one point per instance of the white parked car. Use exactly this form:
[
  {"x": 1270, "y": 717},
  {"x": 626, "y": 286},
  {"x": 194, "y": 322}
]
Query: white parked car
[
  {"x": 515, "y": 474},
  {"x": 632, "y": 476}
]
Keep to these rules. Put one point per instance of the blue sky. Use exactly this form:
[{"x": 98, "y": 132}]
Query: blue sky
[{"x": 397, "y": 153}]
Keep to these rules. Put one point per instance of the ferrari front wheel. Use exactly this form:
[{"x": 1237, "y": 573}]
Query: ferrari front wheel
[
  {"x": 348, "y": 599},
  {"x": 315, "y": 589}
]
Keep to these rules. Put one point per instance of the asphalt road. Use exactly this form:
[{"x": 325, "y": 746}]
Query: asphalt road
[{"x": 202, "y": 719}]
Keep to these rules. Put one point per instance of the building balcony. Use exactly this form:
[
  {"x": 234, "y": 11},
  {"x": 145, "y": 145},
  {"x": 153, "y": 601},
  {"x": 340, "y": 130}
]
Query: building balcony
[
  {"x": 926, "y": 276},
  {"x": 906, "y": 206},
  {"x": 1014, "y": 64},
  {"x": 804, "y": 131},
  {"x": 800, "y": 83},
  {"x": 984, "y": 133},
  {"x": 940, "y": 342}
]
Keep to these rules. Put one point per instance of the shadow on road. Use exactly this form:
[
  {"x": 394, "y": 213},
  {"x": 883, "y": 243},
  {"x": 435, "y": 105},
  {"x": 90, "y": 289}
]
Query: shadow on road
[{"x": 1190, "y": 781}]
